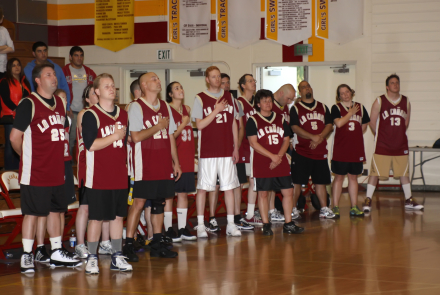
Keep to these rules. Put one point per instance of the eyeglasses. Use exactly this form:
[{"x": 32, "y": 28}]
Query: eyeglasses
[{"x": 250, "y": 81}]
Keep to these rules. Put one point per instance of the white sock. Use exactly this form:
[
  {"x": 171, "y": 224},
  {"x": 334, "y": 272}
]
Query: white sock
[
  {"x": 168, "y": 220},
  {"x": 181, "y": 217},
  {"x": 27, "y": 245},
  {"x": 407, "y": 190},
  {"x": 230, "y": 219},
  {"x": 105, "y": 242},
  {"x": 271, "y": 211},
  {"x": 55, "y": 243},
  {"x": 200, "y": 219},
  {"x": 40, "y": 245},
  {"x": 250, "y": 210},
  {"x": 370, "y": 190}
]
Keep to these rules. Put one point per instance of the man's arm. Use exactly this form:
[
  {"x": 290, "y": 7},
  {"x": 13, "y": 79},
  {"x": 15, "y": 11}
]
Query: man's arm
[
  {"x": 408, "y": 115},
  {"x": 90, "y": 131},
  {"x": 177, "y": 170},
  {"x": 375, "y": 109},
  {"x": 9, "y": 47},
  {"x": 138, "y": 136},
  {"x": 16, "y": 138},
  {"x": 220, "y": 105},
  {"x": 235, "y": 155}
]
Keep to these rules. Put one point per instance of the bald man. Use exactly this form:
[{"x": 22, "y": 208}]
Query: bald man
[
  {"x": 283, "y": 96},
  {"x": 312, "y": 122},
  {"x": 154, "y": 150}
]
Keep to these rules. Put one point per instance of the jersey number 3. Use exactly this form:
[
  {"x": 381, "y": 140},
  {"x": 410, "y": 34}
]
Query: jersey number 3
[{"x": 395, "y": 121}]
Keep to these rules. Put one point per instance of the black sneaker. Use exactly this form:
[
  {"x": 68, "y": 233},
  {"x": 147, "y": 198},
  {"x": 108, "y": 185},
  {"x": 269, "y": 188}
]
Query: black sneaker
[
  {"x": 185, "y": 235},
  {"x": 165, "y": 241},
  {"x": 27, "y": 263},
  {"x": 130, "y": 253},
  {"x": 267, "y": 231},
  {"x": 292, "y": 228},
  {"x": 160, "y": 250},
  {"x": 59, "y": 257},
  {"x": 172, "y": 235},
  {"x": 41, "y": 254},
  {"x": 213, "y": 225}
]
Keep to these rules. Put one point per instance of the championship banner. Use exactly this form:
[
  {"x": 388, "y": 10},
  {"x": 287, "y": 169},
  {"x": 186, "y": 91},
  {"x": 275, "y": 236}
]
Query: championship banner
[
  {"x": 231, "y": 20},
  {"x": 339, "y": 21},
  {"x": 189, "y": 22},
  {"x": 288, "y": 22},
  {"x": 114, "y": 24}
]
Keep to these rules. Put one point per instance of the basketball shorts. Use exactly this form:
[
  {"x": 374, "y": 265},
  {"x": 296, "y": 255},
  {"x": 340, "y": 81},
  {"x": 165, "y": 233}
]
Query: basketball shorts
[
  {"x": 344, "y": 168},
  {"x": 209, "y": 168},
  {"x": 302, "y": 168},
  {"x": 41, "y": 200},
  {"x": 241, "y": 173},
  {"x": 153, "y": 189},
  {"x": 382, "y": 164},
  {"x": 106, "y": 204},
  {"x": 186, "y": 183},
  {"x": 273, "y": 183}
]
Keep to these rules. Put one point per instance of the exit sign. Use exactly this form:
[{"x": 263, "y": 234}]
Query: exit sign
[
  {"x": 303, "y": 49},
  {"x": 164, "y": 54}
]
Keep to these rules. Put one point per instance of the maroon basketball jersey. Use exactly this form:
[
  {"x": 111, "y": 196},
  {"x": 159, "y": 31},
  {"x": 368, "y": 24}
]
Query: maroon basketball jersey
[
  {"x": 42, "y": 158},
  {"x": 348, "y": 143},
  {"x": 216, "y": 140},
  {"x": 80, "y": 159},
  {"x": 107, "y": 168},
  {"x": 185, "y": 141},
  {"x": 311, "y": 120},
  {"x": 271, "y": 136},
  {"x": 152, "y": 157},
  {"x": 245, "y": 148},
  {"x": 281, "y": 110},
  {"x": 391, "y": 138},
  {"x": 67, "y": 156}
]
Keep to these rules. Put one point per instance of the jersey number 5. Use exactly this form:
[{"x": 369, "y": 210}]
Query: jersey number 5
[
  {"x": 273, "y": 139},
  {"x": 57, "y": 134},
  {"x": 314, "y": 125}
]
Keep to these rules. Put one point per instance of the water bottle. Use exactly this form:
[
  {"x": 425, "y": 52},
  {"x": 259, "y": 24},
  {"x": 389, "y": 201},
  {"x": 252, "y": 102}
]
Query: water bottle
[
  {"x": 72, "y": 239},
  {"x": 9, "y": 255}
]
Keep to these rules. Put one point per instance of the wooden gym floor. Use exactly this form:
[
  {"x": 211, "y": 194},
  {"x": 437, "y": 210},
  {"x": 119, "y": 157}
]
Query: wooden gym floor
[{"x": 389, "y": 252}]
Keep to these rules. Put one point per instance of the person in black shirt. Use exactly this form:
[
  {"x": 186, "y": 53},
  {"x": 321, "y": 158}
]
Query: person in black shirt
[{"x": 13, "y": 88}]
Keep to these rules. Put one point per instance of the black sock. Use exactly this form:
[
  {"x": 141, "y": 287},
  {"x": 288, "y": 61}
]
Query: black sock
[
  {"x": 129, "y": 241},
  {"x": 237, "y": 218},
  {"x": 157, "y": 237}
]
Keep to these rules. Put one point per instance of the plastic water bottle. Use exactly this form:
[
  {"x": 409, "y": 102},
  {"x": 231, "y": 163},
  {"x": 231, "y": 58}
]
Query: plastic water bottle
[
  {"x": 9, "y": 255},
  {"x": 72, "y": 239}
]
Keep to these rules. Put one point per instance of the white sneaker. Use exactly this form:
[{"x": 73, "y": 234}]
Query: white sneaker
[
  {"x": 295, "y": 213},
  {"x": 82, "y": 251},
  {"x": 92, "y": 264},
  {"x": 201, "y": 231},
  {"x": 27, "y": 263},
  {"x": 232, "y": 230},
  {"x": 276, "y": 216},
  {"x": 105, "y": 248},
  {"x": 119, "y": 263},
  {"x": 61, "y": 257},
  {"x": 326, "y": 213}
]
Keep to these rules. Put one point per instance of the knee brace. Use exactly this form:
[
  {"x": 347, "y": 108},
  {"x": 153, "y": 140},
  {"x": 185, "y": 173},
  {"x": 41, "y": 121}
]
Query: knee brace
[{"x": 157, "y": 206}]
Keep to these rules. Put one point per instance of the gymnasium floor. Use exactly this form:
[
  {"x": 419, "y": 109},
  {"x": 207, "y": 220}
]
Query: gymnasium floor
[{"x": 389, "y": 252}]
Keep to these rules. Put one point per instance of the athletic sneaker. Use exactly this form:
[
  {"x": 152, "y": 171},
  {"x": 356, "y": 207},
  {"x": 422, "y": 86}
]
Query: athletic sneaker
[
  {"x": 354, "y": 211},
  {"x": 232, "y": 230},
  {"x": 254, "y": 220},
  {"x": 60, "y": 257},
  {"x": 82, "y": 251},
  {"x": 129, "y": 252},
  {"x": 336, "y": 211},
  {"x": 276, "y": 216},
  {"x": 92, "y": 264},
  {"x": 201, "y": 231},
  {"x": 41, "y": 254},
  {"x": 172, "y": 235},
  {"x": 292, "y": 228},
  {"x": 267, "y": 231},
  {"x": 367, "y": 205},
  {"x": 295, "y": 213},
  {"x": 71, "y": 254},
  {"x": 410, "y": 204},
  {"x": 244, "y": 225},
  {"x": 167, "y": 242},
  {"x": 105, "y": 248},
  {"x": 119, "y": 263},
  {"x": 158, "y": 249},
  {"x": 185, "y": 235},
  {"x": 257, "y": 214},
  {"x": 326, "y": 213},
  {"x": 27, "y": 263},
  {"x": 213, "y": 225}
]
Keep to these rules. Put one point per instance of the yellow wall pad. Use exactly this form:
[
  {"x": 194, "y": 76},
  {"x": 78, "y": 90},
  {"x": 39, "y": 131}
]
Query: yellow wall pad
[{"x": 318, "y": 44}]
